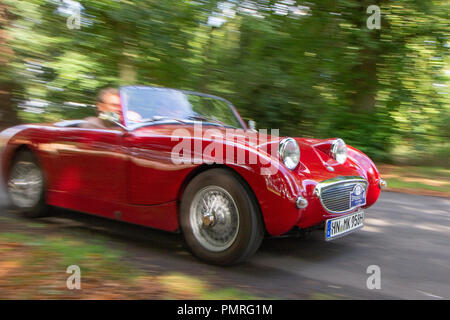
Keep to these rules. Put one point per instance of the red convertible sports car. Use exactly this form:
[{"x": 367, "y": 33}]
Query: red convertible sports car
[{"x": 186, "y": 162}]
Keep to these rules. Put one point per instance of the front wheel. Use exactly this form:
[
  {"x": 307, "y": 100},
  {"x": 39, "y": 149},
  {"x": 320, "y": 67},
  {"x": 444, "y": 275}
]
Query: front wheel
[
  {"x": 26, "y": 187},
  {"x": 220, "y": 219}
]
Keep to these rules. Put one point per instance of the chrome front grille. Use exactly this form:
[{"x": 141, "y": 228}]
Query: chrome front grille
[{"x": 334, "y": 194}]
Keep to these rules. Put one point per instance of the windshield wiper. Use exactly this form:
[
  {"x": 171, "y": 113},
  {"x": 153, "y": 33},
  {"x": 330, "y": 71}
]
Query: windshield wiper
[
  {"x": 192, "y": 117},
  {"x": 206, "y": 119},
  {"x": 160, "y": 118}
]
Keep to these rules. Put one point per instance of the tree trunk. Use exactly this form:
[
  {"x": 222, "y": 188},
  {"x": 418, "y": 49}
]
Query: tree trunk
[
  {"x": 8, "y": 110},
  {"x": 366, "y": 83},
  {"x": 365, "y": 79}
]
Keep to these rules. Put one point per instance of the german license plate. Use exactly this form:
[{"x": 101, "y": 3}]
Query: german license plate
[{"x": 338, "y": 227}]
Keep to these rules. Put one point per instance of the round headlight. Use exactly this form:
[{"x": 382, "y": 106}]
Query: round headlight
[
  {"x": 289, "y": 153},
  {"x": 339, "y": 151}
]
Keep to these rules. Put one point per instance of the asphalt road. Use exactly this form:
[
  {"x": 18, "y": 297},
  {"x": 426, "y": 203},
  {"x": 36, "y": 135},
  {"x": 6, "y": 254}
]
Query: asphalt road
[{"x": 407, "y": 236}]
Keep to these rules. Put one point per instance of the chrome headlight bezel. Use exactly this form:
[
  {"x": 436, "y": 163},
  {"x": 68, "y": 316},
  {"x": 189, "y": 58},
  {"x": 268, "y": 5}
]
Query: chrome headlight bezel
[
  {"x": 339, "y": 151},
  {"x": 289, "y": 152}
]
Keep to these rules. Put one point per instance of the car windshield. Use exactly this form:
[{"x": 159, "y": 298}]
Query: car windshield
[{"x": 149, "y": 104}]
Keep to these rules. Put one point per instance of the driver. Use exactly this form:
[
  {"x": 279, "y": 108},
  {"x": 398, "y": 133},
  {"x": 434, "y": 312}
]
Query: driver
[{"x": 108, "y": 102}]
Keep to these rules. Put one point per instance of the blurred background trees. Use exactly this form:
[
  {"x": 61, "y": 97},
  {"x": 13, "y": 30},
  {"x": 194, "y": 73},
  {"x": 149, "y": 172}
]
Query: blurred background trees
[
  {"x": 309, "y": 68},
  {"x": 8, "y": 114}
]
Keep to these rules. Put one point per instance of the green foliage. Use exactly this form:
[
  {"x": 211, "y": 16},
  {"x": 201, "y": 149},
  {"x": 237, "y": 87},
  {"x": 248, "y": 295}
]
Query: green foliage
[{"x": 314, "y": 70}]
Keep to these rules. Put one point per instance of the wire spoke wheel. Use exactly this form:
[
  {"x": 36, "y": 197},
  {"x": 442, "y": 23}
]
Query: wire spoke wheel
[
  {"x": 214, "y": 218},
  {"x": 219, "y": 218},
  {"x": 25, "y": 184}
]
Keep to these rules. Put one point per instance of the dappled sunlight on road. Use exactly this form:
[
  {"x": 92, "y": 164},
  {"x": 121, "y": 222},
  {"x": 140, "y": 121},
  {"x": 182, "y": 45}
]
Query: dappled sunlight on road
[
  {"x": 413, "y": 257},
  {"x": 376, "y": 222},
  {"x": 434, "y": 228},
  {"x": 368, "y": 228}
]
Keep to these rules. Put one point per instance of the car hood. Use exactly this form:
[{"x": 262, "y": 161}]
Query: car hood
[{"x": 315, "y": 159}]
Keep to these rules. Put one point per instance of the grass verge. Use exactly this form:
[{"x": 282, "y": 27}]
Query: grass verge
[
  {"x": 34, "y": 267},
  {"x": 419, "y": 180}
]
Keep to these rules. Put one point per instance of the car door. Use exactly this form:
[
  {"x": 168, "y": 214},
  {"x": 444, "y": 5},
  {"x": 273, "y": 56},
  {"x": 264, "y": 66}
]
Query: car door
[
  {"x": 93, "y": 165},
  {"x": 153, "y": 176}
]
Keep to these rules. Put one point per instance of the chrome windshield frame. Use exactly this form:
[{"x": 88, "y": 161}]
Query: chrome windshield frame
[{"x": 130, "y": 127}]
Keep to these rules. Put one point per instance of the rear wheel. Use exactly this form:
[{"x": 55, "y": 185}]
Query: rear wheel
[
  {"x": 220, "y": 219},
  {"x": 26, "y": 186}
]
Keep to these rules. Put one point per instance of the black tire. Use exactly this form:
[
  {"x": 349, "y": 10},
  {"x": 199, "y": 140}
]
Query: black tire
[
  {"x": 250, "y": 229},
  {"x": 40, "y": 208}
]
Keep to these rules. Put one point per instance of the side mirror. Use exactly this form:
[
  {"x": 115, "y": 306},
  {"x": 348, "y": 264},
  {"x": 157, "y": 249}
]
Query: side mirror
[{"x": 252, "y": 125}]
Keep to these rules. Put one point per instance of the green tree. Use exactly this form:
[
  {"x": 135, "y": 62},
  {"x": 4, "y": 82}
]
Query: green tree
[
  {"x": 8, "y": 114},
  {"x": 308, "y": 68}
]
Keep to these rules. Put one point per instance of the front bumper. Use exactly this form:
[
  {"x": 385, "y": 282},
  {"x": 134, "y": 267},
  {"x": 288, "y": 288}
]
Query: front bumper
[{"x": 337, "y": 202}]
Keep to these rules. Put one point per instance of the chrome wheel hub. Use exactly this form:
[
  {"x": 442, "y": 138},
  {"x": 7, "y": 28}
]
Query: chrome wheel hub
[
  {"x": 25, "y": 184},
  {"x": 208, "y": 219},
  {"x": 214, "y": 218}
]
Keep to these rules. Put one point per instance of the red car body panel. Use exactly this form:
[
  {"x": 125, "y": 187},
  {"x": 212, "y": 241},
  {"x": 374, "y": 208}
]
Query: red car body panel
[{"x": 130, "y": 175}]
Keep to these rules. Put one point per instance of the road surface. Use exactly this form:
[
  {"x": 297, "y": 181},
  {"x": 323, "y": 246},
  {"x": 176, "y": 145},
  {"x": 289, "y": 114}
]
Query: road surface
[{"x": 406, "y": 236}]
